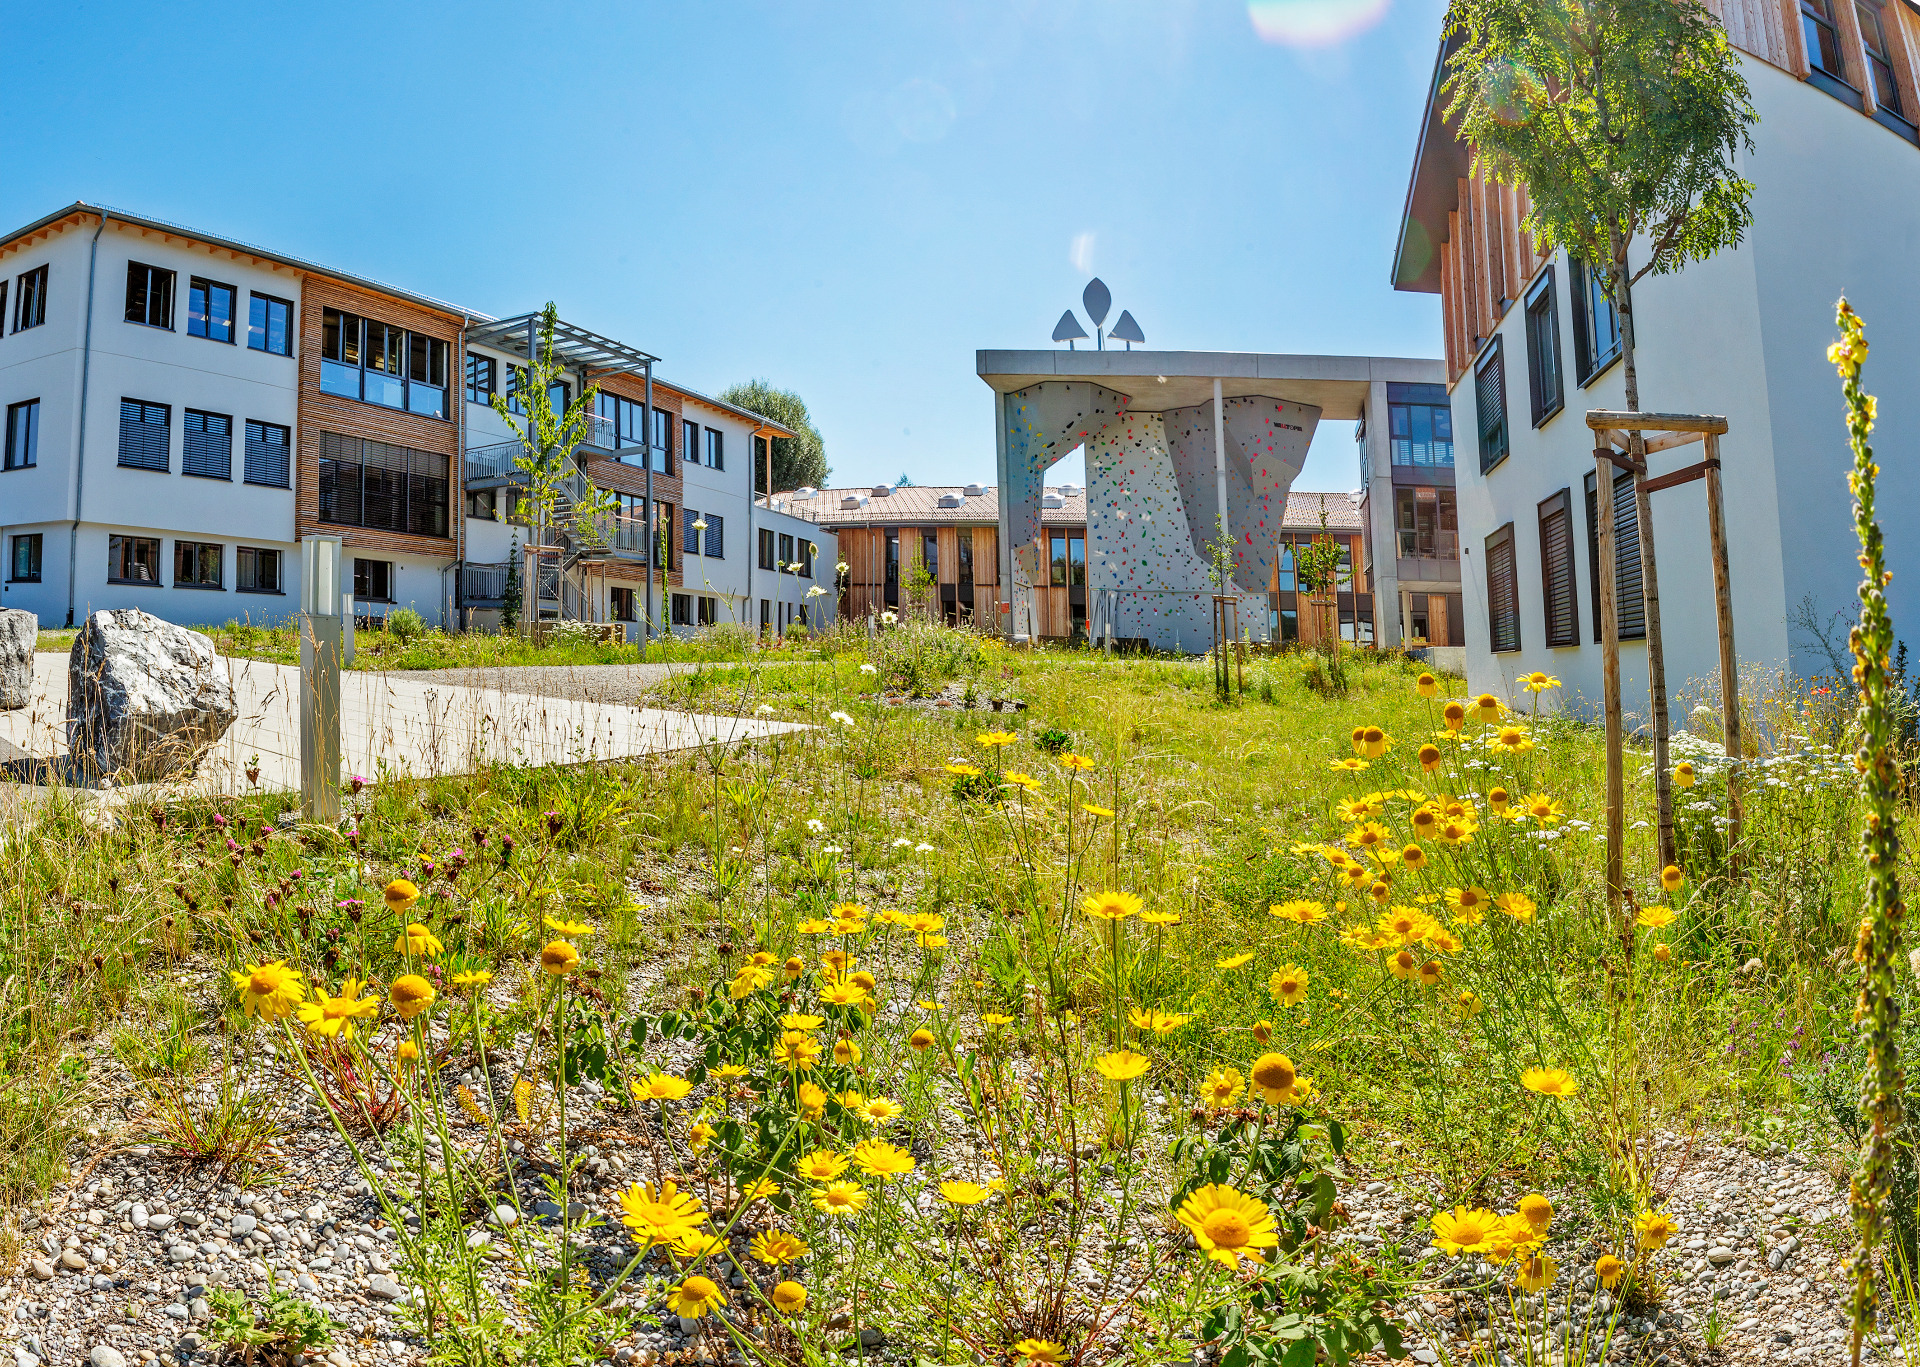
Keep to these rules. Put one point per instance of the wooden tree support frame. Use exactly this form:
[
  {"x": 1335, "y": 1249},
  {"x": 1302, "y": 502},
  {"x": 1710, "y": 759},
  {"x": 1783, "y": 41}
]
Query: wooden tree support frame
[{"x": 1616, "y": 433}]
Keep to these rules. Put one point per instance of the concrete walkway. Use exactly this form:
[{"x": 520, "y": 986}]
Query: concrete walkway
[{"x": 396, "y": 724}]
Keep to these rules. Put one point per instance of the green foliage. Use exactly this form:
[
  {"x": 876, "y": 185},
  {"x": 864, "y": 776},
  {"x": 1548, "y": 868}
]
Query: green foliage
[
  {"x": 548, "y": 439},
  {"x": 406, "y": 625},
  {"x": 510, "y": 597},
  {"x": 278, "y": 1333},
  {"x": 918, "y": 658},
  {"x": 797, "y": 461}
]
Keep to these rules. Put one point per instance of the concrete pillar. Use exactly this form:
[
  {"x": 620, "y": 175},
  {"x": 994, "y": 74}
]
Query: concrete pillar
[{"x": 321, "y": 599}]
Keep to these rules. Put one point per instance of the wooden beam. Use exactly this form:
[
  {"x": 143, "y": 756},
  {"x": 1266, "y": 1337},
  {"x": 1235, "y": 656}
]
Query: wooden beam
[
  {"x": 1610, "y": 685},
  {"x": 1729, "y": 662},
  {"x": 1599, "y": 419},
  {"x": 1620, "y": 460},
  {"x": 1673, "y": 439},
  {"x": 1679, "y": 477}
]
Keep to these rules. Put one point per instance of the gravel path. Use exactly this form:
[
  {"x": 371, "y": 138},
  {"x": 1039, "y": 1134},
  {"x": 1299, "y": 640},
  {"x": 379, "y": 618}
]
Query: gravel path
[{"x": 593, "y": 683}]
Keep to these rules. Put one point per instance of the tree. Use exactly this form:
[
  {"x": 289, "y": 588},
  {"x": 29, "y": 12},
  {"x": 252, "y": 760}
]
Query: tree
[
  {"x": 797, "y": 461},
  {"x": 1623, "y": 119}
]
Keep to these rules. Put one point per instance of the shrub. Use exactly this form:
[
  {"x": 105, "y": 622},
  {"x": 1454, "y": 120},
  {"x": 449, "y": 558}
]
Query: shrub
[{"x": 406, "y": 624}]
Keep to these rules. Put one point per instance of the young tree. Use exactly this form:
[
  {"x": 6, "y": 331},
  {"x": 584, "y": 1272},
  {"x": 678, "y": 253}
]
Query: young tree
[
  {"x": 1624, "y": 120},
  {"x": 797, "y": 461}
]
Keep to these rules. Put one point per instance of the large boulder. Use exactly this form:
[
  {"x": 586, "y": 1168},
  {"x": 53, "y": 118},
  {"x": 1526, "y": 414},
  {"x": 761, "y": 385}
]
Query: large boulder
[
  {"x": 145, "y": 698},
  {"x": 18, "y": 632}
]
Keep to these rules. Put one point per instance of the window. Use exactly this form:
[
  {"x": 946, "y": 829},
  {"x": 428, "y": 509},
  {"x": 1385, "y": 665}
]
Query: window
[
  {"x": 207, "y": 448},
  {"x": 196, "y": 564},
  {"x": 1873, "y": 38},
  {"x": 1558, "y": 594},
  {"x": 620, "y": 603},
  {"x": 145, "y": 442},
  {"x": 1596, "y": 323},
  {"x": 373, "y": 580},
  {"x": 662, "y": 442},
  {"x": 689, "y": 440},
  {"x": 1427, "y": 523},
  {"x": 23, "y": 436},
  {"x": 785, "y": 559},
  {"x": 709, "y": 610},
  {"x": 1076, "y": 561},
  {"x": 893, "y": 557},
  {"x": 210, "y": 310},
  {"x": 479, "y": 379},
  {"x": 1419, "y": 425},
  {"x": 714, "y": 454},
  {"x": 1503, "y": 592},
  {"x": 966, "y": 555},
  {"x": 133, "y": 560},
  {"x": 256, "y": 570},
  {"x": 30, "y": 300},
  {"x": 930, "y": 555},
  {"x": 627, "y": 417},
  {"x": 1490, "y": 400},
  {"x": 267, "y": 447},
  {"x": 1629, "y": 606},
  {"x": 807, "y": 551},
  {"x": 269, "y": 325},
  {"x": 149, "y": 295},
  {"x": 690, "y": 544},
  {"x": 683, "y": 609},
  {"x": 766, "y": 549},
  {"x": 1543, "y": 349},
  {"x": 481, "y": 504},
  {"x": 1822, "y": 32},
  {"x": 375, "y": 362},
  {"x": 374, "y": 484},
  {"x": 24, "y": 567},
  {"x": 716, "y": 537}
]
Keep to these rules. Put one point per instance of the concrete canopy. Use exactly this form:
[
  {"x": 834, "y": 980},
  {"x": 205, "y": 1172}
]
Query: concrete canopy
[{"x": 1155, "y": 381}]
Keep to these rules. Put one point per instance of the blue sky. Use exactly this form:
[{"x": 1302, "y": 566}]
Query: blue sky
[{"x": 846, "y": 198}]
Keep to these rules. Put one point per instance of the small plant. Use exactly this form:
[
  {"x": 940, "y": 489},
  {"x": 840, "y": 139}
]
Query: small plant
[
  {"x": 406, "y": 624},
  {"x": 226, "y": 1125},
  {"x": 279, "y": 1333},
  {"x": 1053, "y": 740},
  {"x": 1714, "y": 1332},
  {"x": 974, "y": 784}
]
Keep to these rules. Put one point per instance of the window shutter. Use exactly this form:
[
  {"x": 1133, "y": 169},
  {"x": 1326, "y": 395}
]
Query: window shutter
[
  {"x": 1503, "y": 592},
  {"x": 266, "y": 454},
  {"x": 690, "y": 545},
  {"x": 207, "y": 445},
  {"x": 1490, "y": 401},
  {"x": 716, "y": 536},
  {"x": 340, "y": 482},
  {"x": 144, "y": 435},
  {"x": 1558, "y": 593},
  {"x": 1628, "y": 589}
]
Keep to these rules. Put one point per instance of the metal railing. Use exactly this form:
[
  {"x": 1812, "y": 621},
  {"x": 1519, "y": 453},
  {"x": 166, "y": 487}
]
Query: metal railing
[{"x": 483, "y": 580}]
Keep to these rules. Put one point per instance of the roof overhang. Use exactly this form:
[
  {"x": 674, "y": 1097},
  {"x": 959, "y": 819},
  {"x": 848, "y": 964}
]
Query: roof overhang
[
  {"x": 572, "y": 345},
  {"x": 1440, "y": 162},
  {"x": 1157, "y": 381}
]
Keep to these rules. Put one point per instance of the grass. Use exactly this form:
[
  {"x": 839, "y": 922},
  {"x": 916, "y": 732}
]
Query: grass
[{"x": 1221, "y": 811}]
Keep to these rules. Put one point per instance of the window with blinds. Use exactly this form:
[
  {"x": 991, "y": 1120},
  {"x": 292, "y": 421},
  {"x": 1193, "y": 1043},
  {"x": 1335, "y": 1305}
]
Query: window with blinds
[
  {"x": 1543, "y": 349},
  {"x": 691, "y": 544},
  {"x": 378, "y": 485},
  {"x": 1490, "y": 402},
  {"x": 1503, "y": 592},
  {"x": 1557, "y": 588},
  {"x": 267, "y": 454},
  {"x": 716, "y": 546},
  {"x": 1629, "y": 606},
  {"x": 207, "y": 445},
  {"x": 145, "y": 435}
]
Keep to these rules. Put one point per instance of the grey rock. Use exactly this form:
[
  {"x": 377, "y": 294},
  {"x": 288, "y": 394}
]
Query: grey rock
[
  {"x": 385, "y": 1288},
  {"x": 159, "y": 1221},
  {"x": 145, "y": 698},
  {"x": 545, "y": 1208},
  {"x": 871, "y": 1337},
  {"x": 41, "y": 1270},
  {"x": 23, "y": 1358},
  {"x": 244, "y": 1224},
  {"x": 199, "y": 1309},
  {"x": 1720, "y": 1255},
  {"x": 175, "y": 1312},
  {"x": 182, "y": 1253},
  {"x": 189, "y": 1342},
  {"x": 506, "y": 1216},
  {"x": 18, "y": 632},
  {"x": 73, "y": 1260},
  {"x": 103, "y": 1356},
  {"x": 307, "y": 1284}
]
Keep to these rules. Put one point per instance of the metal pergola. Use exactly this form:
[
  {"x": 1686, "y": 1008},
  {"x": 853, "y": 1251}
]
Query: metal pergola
[{"x": 575, "y": 347}]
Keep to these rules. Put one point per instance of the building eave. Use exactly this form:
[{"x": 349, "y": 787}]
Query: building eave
[{"x": 1439, "y": 163}]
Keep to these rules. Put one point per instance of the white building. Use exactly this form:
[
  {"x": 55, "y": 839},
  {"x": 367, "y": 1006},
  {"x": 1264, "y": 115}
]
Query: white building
[
  {"x": 181, "y": 409},
  {"x": 1532, "y": 345}
]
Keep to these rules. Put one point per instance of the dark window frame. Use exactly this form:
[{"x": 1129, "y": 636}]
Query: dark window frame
[
  {"x": 408, "y": 489},
  {"x": 1490, "y": 379},
  {"x": 1881, "y": 78},
  {"x": 201, "y": 288},
  {"x": 154, "y": 275},
  {"x": 365, "y": 577},
  {"x": 252, "y": 470},
  {"x": 681, "y": 609},
  {"x": 118, "y": 547},
  {"x": 195, "y": 553},
  {"x": 29, "y": 299},
  {"x": 713, "y": 450},
  {"x": 766, "y": 556},
  {"x": 1629, "y": 602},
  {"x": 1559, "y": 580},
  {"x": 195, "y": 453},
  {"x": 689, "y": 534},
  {"x": 716, "y": 537},
  {"x": 1545, "y": 387},
  {"x": 480, "y": 378},
  {"x": 350, "y": 343},
  {"x": 1591, "y": 359},
  {"x": 1503, "y": 592},
  {"x": 143, "y": 421},
  {"x": 12, "y": 457},
  {"x": 263, "y": 330},
  {"x": 259, "y": 555},
  {"x": 34, "y": 546}
]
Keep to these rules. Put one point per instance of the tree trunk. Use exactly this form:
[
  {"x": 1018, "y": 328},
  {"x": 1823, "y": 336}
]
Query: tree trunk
[{"x": 1649, "y": 571}]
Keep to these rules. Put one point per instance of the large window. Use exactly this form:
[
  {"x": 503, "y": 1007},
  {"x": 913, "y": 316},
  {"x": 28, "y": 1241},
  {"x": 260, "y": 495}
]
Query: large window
[
  {"x": 662, "y": 442},
  {"x": 145, "y": 435},
  {"x": 1503, "y": 592},
  {"x": 207, "y": 449},
  {"x": 628, "y": 419},
  {"x": 716, "y": 546},
  {"x": 1822, "y": 32},
  {"x": 1873, "y": 38},
  {"x": 1543, "y": 349},
  {"x": 479, "y": 379},
  {"x": 1629, "y": 606},
  {"x": 1427, "y": 521},
  {"x": 1067, "y": 561},
  {"x": 270, "y": 325},
  {"x": 256, "y": 570},
  {"x": 1490, "y": 400},
  {"x": 1596, "y": 323},
  {"x": 24, "y": 566},
  {"x": 133, "y": 560},
  {"x": 1557, "y": 584},
  {"x": 714, "y": 455},
  {"x": 196, "y": 564},
  {"x": 374, "y": 484},
  {"x": 149, "y": 295},
  {"x": 267, "y": 448},
  {"x": 363, "y": 358},
  {"x": 30, "y": 300},
  {"x": 1419, "y": 424},
  {"x": 210, "y": 310},
  {"x": 373, "y": 580},
  {"x": 23, "y": 436},
  {"x": 683, "y": 609},
  {"x": 709, "y": 610}
]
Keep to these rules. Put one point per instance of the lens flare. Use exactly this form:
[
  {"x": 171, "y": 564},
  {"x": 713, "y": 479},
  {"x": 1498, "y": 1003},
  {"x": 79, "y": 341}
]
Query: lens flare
[{"x": 1313, "y": 23}]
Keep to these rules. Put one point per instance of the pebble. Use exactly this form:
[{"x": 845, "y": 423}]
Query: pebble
[
  {"x": 73, "y": 1260},
  {"x": 103, "y": 1356},
  {"x": 41, "y": 1270},
  {"x": 385, "y": 1288}
]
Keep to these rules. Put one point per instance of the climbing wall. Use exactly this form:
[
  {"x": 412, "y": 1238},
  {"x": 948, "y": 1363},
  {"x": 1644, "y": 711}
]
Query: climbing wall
[
  {"x": 1266, "y": 442},
  {"x": 1044, "y": 422}
]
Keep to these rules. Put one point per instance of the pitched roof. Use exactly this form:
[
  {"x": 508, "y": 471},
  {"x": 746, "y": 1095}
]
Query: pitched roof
[
  {"x": 1303, "y": 512},
  {"x": 919, "y": 505}
]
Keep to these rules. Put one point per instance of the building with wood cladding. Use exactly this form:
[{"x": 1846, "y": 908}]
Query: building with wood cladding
[
  {"x": 1532, "y": 344},
  {"x": 183, "y": 409},
  {"x": 932, "y": 550}
]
